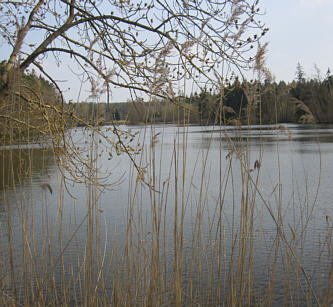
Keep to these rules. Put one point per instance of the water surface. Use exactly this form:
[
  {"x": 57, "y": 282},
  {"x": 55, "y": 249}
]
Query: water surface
[{"x": 199, "y": 169}]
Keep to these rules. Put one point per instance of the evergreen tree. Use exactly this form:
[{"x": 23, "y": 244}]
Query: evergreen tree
[{"x": 300, "y": 76}]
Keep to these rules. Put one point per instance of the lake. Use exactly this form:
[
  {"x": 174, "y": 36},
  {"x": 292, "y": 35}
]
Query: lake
[{"x": 207, "y": 215}]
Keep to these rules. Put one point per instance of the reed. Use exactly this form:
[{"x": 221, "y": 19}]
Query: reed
[{"x": 187, "y": 240}]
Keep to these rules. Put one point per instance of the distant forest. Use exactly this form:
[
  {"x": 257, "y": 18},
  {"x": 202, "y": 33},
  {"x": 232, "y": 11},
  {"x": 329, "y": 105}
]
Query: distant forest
[{"x": 300, "y": 101}]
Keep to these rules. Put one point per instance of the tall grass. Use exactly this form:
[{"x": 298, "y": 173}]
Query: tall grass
[{"x": 188, "y": 240}]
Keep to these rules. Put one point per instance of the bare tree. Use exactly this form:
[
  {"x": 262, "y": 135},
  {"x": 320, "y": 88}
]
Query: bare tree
[{"x": 142, "y": 46}]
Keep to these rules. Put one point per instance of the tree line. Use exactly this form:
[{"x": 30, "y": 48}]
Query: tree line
[{"x": 267, "y": 102}]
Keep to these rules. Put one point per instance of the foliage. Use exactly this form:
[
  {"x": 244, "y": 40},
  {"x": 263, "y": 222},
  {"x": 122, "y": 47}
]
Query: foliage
[
  {"x": 308, "y": 101},
  {"x": 31, "y": 109}
]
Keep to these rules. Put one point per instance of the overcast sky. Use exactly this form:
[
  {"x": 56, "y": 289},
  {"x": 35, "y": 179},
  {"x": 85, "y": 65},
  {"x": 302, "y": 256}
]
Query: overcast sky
[{"x": 300, "y": 31}]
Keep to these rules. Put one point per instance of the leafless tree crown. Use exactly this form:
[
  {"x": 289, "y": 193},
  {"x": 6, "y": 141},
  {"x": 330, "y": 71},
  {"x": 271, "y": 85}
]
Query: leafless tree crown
[{"x": 145, "y": 46}]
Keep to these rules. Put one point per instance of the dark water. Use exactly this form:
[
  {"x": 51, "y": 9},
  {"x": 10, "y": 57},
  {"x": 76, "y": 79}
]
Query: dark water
[{"x": 186, "y": 166}]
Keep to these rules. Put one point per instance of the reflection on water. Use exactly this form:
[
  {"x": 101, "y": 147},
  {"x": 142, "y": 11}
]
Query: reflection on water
[
  {"x": 294, "y": 160},
  {"x": 18, "y": 165},
  {"x": 269, "y": 135}
]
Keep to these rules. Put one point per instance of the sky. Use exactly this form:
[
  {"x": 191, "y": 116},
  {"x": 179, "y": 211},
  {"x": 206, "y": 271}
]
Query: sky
[{"x": 300, "y": 31}]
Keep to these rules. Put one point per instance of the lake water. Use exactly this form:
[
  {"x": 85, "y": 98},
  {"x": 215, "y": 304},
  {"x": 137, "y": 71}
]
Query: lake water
[{"x": 198, "y": 191}]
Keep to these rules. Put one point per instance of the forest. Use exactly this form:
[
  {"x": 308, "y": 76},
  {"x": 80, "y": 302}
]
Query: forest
[
  {"x": 30, "y": 107},
  {"x": 268, "y": 102}
]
